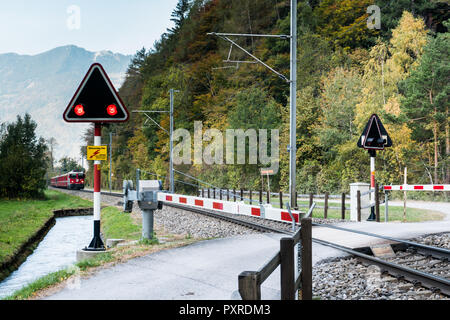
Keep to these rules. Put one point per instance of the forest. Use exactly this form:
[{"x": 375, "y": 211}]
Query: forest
[{"x": 346, "y": 72}]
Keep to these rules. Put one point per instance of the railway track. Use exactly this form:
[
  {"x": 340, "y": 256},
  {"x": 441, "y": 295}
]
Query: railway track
[{"x": 417, "y": 263}]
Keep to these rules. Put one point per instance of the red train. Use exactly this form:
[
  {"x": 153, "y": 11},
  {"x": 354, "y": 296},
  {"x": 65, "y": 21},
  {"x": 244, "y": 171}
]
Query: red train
[{"x": 71, "y": 180}]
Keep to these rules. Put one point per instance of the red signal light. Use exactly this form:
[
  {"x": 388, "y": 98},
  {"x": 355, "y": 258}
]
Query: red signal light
[
  {"x": 111, "y": 109},
  {"x": 79, "y": 110}
]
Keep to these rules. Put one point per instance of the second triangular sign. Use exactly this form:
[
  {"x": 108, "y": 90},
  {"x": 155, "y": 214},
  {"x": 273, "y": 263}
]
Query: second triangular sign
[{"x": 375, "y": 136}]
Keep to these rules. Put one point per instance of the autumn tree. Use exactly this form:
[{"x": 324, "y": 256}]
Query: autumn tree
[{"x": 426, "y": 101}]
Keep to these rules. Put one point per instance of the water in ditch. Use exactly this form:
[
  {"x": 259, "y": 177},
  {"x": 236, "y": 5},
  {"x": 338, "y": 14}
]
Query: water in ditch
[{"x": 55, "y": 252}]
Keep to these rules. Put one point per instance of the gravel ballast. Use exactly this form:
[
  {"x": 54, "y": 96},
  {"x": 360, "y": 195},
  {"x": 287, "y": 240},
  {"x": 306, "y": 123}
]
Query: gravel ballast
[{"x": 348, "y": 279}]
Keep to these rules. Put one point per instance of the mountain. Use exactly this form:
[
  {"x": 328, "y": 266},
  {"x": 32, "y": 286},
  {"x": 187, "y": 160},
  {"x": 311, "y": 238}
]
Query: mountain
[{"x": 43, "y": 85}]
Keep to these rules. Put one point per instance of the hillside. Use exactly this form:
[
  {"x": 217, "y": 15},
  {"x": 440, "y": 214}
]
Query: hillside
[
  {"x": 346, "y": 72},
  {"x": 43, "y": 84}
]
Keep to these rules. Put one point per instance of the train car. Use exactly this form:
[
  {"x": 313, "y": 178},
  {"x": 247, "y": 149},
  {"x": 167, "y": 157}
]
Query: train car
[{"x": 71, "y": 180}]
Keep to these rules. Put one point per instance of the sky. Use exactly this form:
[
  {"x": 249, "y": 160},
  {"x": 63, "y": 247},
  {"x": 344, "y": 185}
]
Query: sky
[{"x": 121, "y": 26}]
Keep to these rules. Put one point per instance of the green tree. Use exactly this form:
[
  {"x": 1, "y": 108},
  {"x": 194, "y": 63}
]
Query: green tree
[
  {"x": 68, "y": 164},
  {"x": 426, "y": 98},
  {"x": 23, "y": 160}
]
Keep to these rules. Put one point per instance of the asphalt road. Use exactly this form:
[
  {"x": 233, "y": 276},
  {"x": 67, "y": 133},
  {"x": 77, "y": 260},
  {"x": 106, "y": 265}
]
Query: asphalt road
[{"x": 209, "y": 269}]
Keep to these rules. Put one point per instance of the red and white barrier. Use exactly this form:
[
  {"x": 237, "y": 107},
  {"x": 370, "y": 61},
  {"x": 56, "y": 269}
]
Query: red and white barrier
[
  {"x": 421, "y": 187},
  {"x": 263, "y": 211}
]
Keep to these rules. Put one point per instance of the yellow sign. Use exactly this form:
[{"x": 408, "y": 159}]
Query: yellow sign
[{"x": 98, "y": 153}]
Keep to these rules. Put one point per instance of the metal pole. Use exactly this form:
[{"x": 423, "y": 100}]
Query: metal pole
[
  {"x": 97, "y": 243},
  {"x": 372, "y": 216},
  {"x": 110, "y": 161},
  {"x": 172, "y": 188},
  {"x": 405, "y": 182},
  {"x": 293, "y": 104},
  {"x": 147, "y": 224}
]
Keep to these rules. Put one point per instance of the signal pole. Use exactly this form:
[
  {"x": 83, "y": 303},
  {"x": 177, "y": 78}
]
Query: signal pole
[
  {"x": 172, "y": 184},
  {"x": 293, "y": 105},
  {"x": 372, "y": 154},
  {"x": 97, "y": 243}
]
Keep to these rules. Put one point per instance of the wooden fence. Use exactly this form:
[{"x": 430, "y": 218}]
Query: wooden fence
[
  {"x": 377, "y": 203},
  {"x": 250, "y": 281}
]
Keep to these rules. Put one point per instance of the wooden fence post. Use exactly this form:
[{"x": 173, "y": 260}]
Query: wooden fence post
[
  {"x": 287, "y": 269},
  {"x": 296, "y": 198},
  {"x": 268, "y": 196},
  {"x": 220, "y": 193},
  {"x": 248, "y": 286},
  {"x": 228, "y": 194},
  {"x": 260, "y": 196},
  {"x": 234, "y": 194},
  {"x": 242, "y": 194},
  {"x": 358, "y": 205},
  {"x": 250, "y": 194},
  {"x": 311, "y": 199},
  {"x": 209, "y": 194},
  {"x": 325, "y": 208},
  {"x": 306, "y": 238},
  {"x": 281, "y": 199},
  {"x": 343, "y": 206},
  {"x": 203, "y": 192},
  {"x": 214, "y": 193}
]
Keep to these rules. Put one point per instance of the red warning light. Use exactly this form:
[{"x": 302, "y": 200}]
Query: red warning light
[
  {"x": 111, "y": 109},
  {"x": 79, "y": 110}
]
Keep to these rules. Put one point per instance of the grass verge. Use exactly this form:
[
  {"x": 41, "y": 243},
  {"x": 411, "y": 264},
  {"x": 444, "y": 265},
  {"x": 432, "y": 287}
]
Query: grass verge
[
  {"x": 21, "y": 219},
  {"x": 115, "y": 224}
]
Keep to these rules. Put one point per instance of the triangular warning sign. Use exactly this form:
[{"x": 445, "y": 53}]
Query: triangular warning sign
[
  {"x": 96, "y": 100},
  {"x": 374, "y": 136}
]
